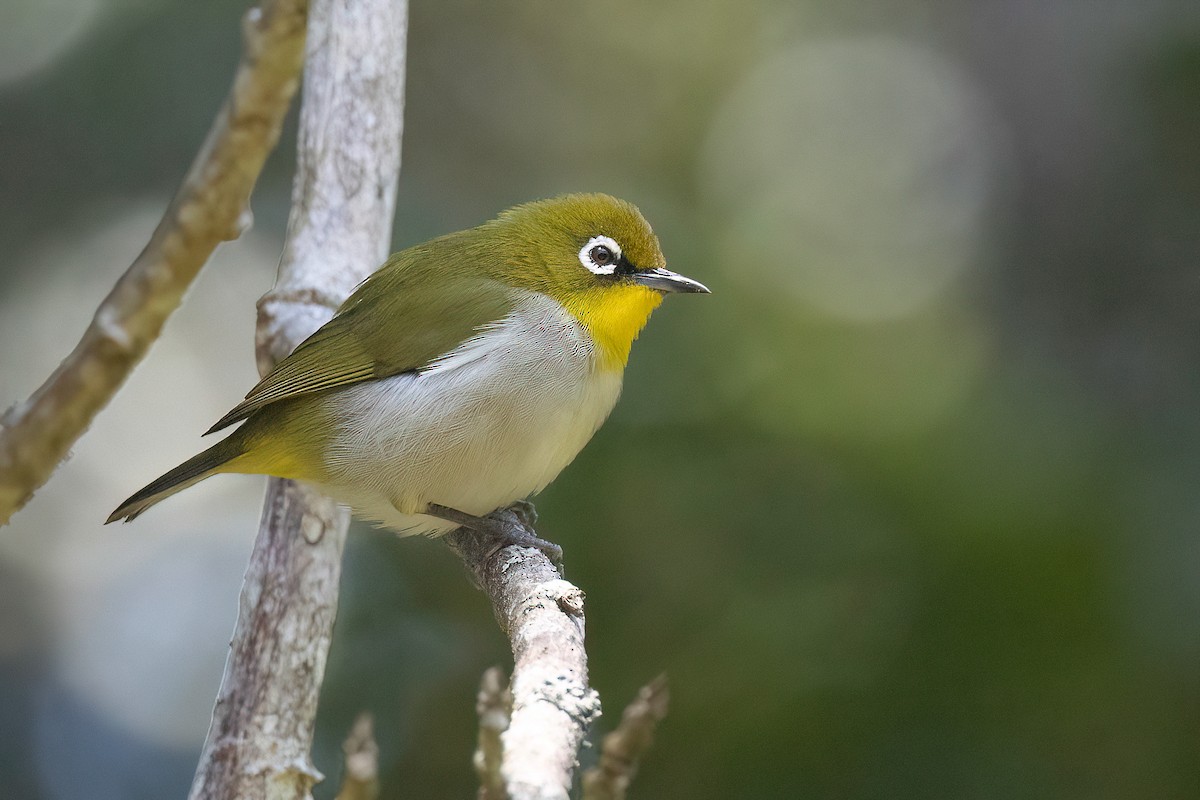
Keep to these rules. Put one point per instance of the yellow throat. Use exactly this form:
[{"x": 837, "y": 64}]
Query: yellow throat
[{"x": 613, "y": 316}]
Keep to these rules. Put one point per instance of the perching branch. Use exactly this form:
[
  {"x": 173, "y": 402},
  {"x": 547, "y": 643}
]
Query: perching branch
[
  {"x": 211, "y": 206},
  {"x": 552, "y": 704},
  {"x": 625, "y": 746},
  {"x": 343, "y": 201}
]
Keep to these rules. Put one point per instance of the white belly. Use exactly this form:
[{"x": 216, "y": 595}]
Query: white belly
[{"x": 492, "y": 422}]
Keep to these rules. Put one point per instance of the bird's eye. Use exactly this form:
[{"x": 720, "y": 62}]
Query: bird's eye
[{"x": 600, "y": 255}]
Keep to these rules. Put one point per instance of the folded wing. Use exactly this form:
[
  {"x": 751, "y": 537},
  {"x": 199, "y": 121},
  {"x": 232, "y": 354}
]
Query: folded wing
[{"x": 401, "y": 319}]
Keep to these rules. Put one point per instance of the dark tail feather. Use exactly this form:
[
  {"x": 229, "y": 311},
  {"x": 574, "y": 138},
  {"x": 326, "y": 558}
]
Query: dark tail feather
[{"x": 192, "y": 471}]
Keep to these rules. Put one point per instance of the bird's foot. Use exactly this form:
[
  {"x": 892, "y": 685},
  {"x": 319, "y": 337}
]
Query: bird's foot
[
  {"x": 526, "y": 512},
  {"x": 513, "y": 525}
]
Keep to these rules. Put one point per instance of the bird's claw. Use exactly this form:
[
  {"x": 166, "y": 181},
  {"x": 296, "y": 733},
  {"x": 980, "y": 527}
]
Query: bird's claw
[
  {"x": 514, "y": 526},
  {"x": 526, "y": 512}
]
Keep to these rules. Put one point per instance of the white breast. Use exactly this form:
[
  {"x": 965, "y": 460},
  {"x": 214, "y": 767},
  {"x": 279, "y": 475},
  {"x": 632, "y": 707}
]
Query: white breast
[{"x": 491, "y": 422}]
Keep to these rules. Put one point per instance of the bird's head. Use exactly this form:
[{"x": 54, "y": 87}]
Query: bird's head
[{"x": 594, "y": 254}]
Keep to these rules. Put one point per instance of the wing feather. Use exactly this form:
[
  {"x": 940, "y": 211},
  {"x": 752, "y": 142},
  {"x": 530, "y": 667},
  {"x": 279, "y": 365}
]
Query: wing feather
[{"x": 403, "y": 318}]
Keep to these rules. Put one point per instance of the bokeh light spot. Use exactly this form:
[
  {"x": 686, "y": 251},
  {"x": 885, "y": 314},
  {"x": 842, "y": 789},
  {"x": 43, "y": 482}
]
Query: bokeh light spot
[
  {"x": 36, "y": 33},
  {"x": 854, "y": 175}
]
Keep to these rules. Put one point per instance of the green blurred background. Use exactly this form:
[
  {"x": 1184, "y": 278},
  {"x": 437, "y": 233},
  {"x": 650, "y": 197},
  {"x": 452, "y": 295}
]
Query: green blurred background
[{"x": 907, "y": 508}]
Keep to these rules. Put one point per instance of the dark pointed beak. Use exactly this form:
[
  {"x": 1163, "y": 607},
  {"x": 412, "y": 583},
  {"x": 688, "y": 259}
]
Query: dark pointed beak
[{"x": 666, "y": 281}]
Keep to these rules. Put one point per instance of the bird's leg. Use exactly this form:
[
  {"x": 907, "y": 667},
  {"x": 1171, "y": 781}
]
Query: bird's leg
[{"x": 512, "y": 525}]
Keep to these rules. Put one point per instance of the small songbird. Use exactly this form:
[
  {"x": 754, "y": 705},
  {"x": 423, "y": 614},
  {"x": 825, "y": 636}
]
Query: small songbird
[{"x": 461, "y": 377}]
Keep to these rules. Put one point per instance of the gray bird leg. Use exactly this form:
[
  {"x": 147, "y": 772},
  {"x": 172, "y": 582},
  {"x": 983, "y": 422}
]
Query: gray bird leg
[{"x": 510, "y": 526}]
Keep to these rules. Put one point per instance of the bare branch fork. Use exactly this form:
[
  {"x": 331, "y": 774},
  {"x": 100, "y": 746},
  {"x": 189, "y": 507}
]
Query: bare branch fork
[{"x": 620, "y": 753}]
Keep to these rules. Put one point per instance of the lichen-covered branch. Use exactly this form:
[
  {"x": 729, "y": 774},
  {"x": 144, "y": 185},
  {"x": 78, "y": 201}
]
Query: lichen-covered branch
[
  {"x": 211, "y": 206},
  {"x": 625, "y": 746},
  {"x": 552, "y": 704},
  {"x": 343, "y": 202}
]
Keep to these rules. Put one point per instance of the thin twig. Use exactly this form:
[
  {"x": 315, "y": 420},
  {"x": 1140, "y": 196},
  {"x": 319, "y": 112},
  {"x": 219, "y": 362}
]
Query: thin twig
[
  {"x": 361, "y": 778},
  {"x": 211, "y": 206},
  {"x": 553, "y": 706},
  {"x": 343, "y": 201},
  {"x": 493, "y": 705},
  {"x": 625, "y": 746}
]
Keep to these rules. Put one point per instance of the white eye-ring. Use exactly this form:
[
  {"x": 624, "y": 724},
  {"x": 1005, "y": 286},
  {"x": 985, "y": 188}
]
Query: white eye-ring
[{"x": 600, "y": 255}]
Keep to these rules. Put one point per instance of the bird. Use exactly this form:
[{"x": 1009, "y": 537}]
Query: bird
[{"x": 460, "y": 378}]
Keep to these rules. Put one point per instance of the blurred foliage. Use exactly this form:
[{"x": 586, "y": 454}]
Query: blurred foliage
[{"x": 907, "y": 508}]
